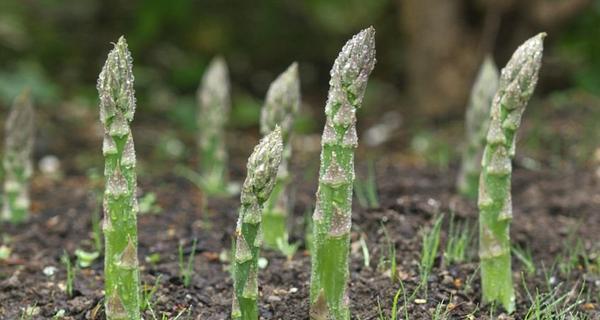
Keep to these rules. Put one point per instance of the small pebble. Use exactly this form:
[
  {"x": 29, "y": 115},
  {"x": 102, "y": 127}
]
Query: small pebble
[
  {"x": 262, "y": 262},
  {"x": 447, "y": 280},
  {"x": 273, "y": 299},
  {"x": 49, "y": 165},
  {"x": 31, "y": 311},
  {"x": 420, "y": 301},
  {"x": 293, "y": 290},
  {"x": 49, "y": 271}
]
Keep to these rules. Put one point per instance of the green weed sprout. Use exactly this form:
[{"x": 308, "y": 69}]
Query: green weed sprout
[
  {"x": 261, "y": 176},
  {"x": 186, "y": 270},
  {"x": 457, "y": 242},
  {"x": 391, "y": 259},
  {"x": 18, "y": 149},
  {"x": 66, "y": 260},
  {"x": 333, "y": 209},
  {"x": 366, "y": 190},
  {"x": 476, "y": 127},
  {"x": 429, "y": 251},
  {"x": 117, "y": 107},
  {"x": 280, "y": 109},
  {"x": 285, "y": 247},
  {"x": 517, "y": 83},
  {"x": 214, "y": 106}
]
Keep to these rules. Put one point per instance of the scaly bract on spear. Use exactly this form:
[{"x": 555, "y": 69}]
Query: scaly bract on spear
[{"x": 333, "y": 208}]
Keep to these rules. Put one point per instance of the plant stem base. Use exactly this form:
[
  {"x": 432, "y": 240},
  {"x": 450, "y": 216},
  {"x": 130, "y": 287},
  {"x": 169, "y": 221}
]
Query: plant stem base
[
  {"x": 496, "y": 281},
  {"x": 331, "y": 270}
]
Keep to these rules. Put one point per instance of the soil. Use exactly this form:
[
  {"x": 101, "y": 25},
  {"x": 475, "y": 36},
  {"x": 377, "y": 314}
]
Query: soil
[{"x": 549, "y": 207}]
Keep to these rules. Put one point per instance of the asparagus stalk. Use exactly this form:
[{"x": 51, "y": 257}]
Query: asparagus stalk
[
  {"x": 214, "y": 106},
  {"x": 117, "y": 107},
  {"x": 476, "y": 125},
  {"x": 18, "y": 149},
  {"x": 517, "y": 83},
  {"x": 281, "y": 106},
  {"x": 262, "y": 170},
  {"x": 333, "y": 209}
]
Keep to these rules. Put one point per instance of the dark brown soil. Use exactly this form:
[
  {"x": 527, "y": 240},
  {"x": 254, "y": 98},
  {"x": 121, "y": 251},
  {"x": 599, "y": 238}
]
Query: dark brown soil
[{"x": 549, "y": 207}]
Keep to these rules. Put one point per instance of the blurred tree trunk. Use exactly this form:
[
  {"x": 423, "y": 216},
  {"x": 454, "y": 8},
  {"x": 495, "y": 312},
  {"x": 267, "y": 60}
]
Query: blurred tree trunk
[
  {"x": 440, "y": 54},
  {"x": 445, "y": 40}
]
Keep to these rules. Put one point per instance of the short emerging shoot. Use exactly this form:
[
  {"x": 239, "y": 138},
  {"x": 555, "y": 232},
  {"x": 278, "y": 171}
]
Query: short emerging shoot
[{"x": 260, "y": 179}]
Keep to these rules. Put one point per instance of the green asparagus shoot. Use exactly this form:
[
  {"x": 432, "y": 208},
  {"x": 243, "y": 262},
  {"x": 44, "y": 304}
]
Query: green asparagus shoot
[
  {"x": 517, "y": 83},
  {"x": 117, "y": 107},
  {"x": 17, "y": 162},
  {"x": 333, "y": 210},
  {"x": 280, "y": 109},
  {"x": 214, "y": 107},
  {"x": 476, "y": 126},
  {"x": 262, "y": 168}
]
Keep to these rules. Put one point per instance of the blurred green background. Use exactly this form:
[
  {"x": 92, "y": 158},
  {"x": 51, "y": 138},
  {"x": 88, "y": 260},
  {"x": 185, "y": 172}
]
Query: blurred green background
[{"x": 428, "y": 52}]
